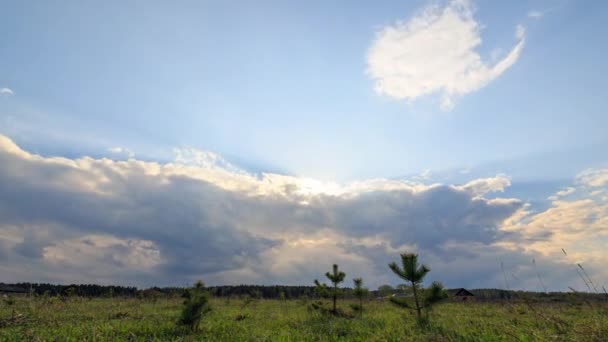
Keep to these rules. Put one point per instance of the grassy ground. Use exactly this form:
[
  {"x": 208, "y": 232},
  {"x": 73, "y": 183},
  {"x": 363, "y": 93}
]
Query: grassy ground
[{"x": 270, "y": 320}]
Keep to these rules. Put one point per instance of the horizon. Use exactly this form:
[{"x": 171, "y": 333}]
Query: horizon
[
  {"x": 259, "y": 144},
  {"x": 393, "y": 288}
]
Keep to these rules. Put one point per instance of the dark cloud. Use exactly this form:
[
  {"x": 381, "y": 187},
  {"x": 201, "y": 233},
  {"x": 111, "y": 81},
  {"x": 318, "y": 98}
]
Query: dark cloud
[
  {"x": 188, "y": 220},
  {"x": 428, "y": 218},
  {"x": 97, "y": 220}
]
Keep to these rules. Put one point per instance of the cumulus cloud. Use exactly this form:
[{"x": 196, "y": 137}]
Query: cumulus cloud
[
  {"x": 147, "y": 223},
  {"x": 593, "y": 177},
  {"x": 6, "y": 92},
  {"x": 576, "y": 221},
  {"x": 562, "y": 193},
  {"x": 435, "y": 52},
  {"x": 205, "y": 159},
  {"x": 482, "y": 186}
]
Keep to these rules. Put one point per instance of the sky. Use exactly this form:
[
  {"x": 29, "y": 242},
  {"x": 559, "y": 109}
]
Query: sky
[{"x": 152, "y": 143}]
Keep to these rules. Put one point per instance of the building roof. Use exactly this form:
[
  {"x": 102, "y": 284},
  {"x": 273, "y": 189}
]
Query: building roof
[{"x": 463, "y": 293}]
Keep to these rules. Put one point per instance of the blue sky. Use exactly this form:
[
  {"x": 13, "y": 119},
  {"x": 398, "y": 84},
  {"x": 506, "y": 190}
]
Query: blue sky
[
  {"x": 282, "y": 86},
  {"x": 337, "y": 92}
]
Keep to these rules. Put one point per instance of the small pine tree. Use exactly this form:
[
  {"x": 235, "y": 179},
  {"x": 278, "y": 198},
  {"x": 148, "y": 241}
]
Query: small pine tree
[
  {"x": 321, "y": 290},
  {"x": 336, "y": 277},
  {"x": 414, "y": 273},
  {"x": 360, "y": 292},
  {"x": 196, "y": 304}
]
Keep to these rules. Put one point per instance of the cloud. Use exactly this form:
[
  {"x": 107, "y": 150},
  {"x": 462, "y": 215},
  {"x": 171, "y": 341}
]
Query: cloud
[
  {"x": 520, "y": 32},
  {"x": 147, "y": 223},
  {"x": 538, "y": 14},
  {"x": 579, "y": 226},
  {"x": 562, "y": 193},
  {"x": 482, "y": 186},
  {"x": 6, "y": 92},
  {"x": 424, "y": 175},
  {"x": 576, "y": 221},
  {"x": 593, "y": 177},
  {"x": 435, "y": 52},
  {"x": 535, "y": 14},
  {"x": 205, "y": 159},
  {"x": 122, "y": 151}
]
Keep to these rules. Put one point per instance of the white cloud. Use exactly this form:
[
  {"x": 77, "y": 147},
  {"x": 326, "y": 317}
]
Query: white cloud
[
  {"x": 539, "y": 14},
  {"x": 482, "y": 186},
  {"x": 204, "y": 159},
  {"x": 567, "y": 191},
  {"x": 593, "y": 177},
  {"x": 520, "y": 32},
  {"x": 597, "y": 192},
  {"x": 536, "y": 14},
  {"x": 6, "y": 92},
  {"x": 562, "y": 193},
  {"x": 435, "y": 52},
  {"x": 425, "y": 175},
  {"x": 578, "y": 224},
  {"x": 122, "y": 151}
]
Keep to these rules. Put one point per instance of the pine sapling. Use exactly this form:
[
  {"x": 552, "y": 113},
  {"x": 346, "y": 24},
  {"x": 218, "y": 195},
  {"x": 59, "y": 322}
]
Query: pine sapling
[
  {"x": 196, "y": 305},
  {"x": 414, "y": 273},
  {"x": 336, "y": 277},
  {"x": 360, "y": 292}
]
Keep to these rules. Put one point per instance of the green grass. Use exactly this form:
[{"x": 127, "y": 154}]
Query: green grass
[{"x": 80, "y": 319}]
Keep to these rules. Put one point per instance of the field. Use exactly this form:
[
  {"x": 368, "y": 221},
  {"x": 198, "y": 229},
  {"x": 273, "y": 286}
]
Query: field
[{"x": 131, "y": 319}]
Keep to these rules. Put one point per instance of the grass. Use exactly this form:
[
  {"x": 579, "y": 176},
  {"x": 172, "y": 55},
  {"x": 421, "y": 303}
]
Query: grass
[{"x": 131, "y": 319}]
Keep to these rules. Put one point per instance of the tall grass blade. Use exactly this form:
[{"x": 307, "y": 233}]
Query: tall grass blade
[
  {"x": 588, "y": 278},
  {"x": 540, "y": 280},
  {"x": 584, "y": 280},
  {"x": 502, "y": 267}
]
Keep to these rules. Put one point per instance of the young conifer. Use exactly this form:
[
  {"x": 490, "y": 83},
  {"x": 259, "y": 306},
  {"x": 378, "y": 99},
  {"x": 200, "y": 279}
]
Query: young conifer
[
  {"x": 414, "y": 273},
  {"x": 196, "y": 305},
  {"x": 360, "y": 292},
  {"x": 336, "y": 277}
]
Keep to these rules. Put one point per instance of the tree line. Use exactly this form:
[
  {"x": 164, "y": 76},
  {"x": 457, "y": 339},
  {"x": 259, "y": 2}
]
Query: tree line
[
  {"x": 82, "y": 290},
  {"x": 283, "y": 292}
]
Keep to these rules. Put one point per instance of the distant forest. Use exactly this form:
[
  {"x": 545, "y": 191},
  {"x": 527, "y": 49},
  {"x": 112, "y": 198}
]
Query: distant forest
[{"x": 276, "y": 292}]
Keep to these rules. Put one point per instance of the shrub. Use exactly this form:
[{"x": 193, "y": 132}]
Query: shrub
[{"x": 196, "y": 305}]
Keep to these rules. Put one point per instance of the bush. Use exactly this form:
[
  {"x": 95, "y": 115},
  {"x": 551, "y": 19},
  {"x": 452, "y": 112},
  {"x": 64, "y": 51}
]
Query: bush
[{"x": 196, "y": 305}]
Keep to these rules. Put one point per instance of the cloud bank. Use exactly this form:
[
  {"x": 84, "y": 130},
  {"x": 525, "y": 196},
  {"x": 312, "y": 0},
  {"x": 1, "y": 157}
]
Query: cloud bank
[
  {"x": 435, "y": 52},
  {"x": 147, "y": 223}
]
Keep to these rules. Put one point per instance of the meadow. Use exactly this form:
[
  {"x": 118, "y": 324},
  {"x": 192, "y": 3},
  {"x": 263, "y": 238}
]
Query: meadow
[{"x": 134, "y": 319}]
